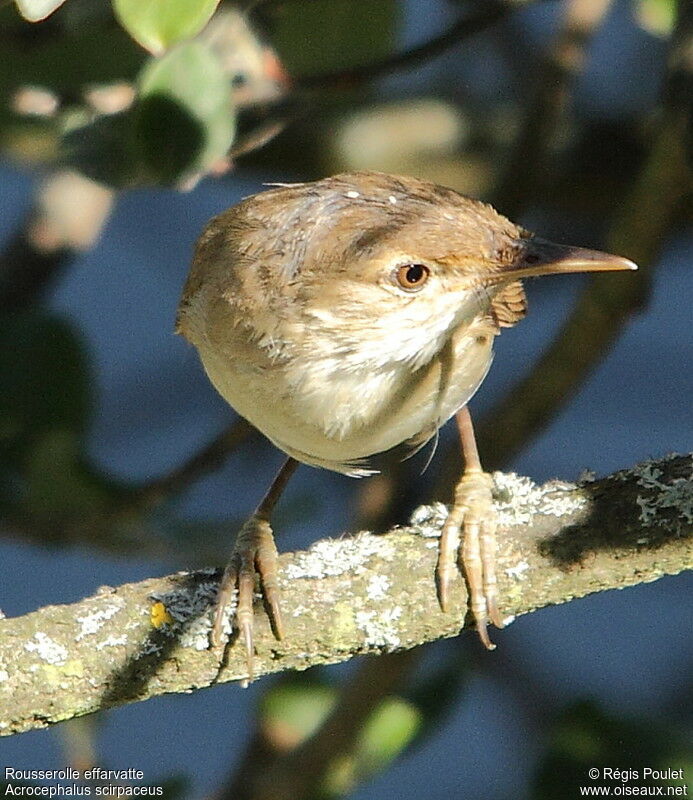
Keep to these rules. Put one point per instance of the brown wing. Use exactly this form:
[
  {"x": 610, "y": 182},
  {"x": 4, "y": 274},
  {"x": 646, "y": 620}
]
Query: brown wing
[{"x": 509, "y": 306}]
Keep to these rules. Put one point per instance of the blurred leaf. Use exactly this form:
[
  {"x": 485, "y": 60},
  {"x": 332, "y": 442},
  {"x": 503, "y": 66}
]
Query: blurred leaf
[
  {"x": 103, "y": 150},
  {"x": 321, "y": 35},
  {"x": 158, "y": 24},
  {"x": 45, "y": 400},
  {"x": 174, "y": 787},
  {"x": 184, "y": 119},
  {"x": 59, "y": 486},
  {"x": 44, "y": 381},
  {"x": 657, "y": 16},
  {"x": 391, "y": 727},
  {"x": 36, "y": 10},
  {"x": 180, "y": 126},
  {"x": 587, "y": 738},
  {"x": 293, "y": 710},
  {"x": 65, "y": 60}
]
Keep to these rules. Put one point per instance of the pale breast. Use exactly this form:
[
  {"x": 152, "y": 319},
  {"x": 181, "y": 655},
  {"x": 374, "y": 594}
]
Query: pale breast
[{"x": 393, "y": 406}]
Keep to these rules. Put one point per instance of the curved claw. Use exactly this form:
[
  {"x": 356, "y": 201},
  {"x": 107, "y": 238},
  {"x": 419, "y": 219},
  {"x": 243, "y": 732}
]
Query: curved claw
[
  {"x": 482, "y": 632},
  {"x": 226, "y": 589},
  {"x": 447, "y": 556}
]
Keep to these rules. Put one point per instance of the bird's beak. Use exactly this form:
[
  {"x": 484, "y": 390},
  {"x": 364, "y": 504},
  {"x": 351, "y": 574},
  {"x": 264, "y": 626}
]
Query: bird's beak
[{"x": 541, "y": 257}]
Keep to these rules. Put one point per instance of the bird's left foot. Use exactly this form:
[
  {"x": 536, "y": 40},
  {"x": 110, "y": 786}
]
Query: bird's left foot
[
  {"x": 254, "y": 553},
  {"x": 469, "y": 540}
]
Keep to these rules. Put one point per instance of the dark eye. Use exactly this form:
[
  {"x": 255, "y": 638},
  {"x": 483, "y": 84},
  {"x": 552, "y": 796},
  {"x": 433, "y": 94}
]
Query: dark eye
[{"x": 412, "y": 277}]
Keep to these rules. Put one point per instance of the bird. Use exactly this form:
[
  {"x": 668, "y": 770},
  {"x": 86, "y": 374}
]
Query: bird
[{"x": 353, "y": 316}]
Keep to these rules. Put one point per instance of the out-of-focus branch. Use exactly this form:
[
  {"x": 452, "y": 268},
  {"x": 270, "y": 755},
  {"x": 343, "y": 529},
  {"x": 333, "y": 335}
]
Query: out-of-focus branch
[
  {"x": 638, "y": 232},
  {"x": 525, "y": 171},
  {"x": 483, "y": 17},
  {"x": 346, "y": 597},
  {"x": 68, "y": 216},
  {"x": 25, "y": 271},
  {"x": 300, "y": 771},
  {"x": 605, "y": 305},
  {"x": 204, "y": 461}
]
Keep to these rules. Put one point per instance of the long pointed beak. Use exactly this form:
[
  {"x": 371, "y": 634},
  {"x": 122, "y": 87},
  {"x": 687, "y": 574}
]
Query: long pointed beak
[{"x": 541, "y": 257}]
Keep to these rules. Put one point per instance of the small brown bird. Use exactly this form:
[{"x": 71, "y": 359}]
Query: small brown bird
[{"x": 352, "y": 315}]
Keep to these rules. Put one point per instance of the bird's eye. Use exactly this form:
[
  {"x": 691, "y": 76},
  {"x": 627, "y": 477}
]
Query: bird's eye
[{"x": 411, "y": 277}]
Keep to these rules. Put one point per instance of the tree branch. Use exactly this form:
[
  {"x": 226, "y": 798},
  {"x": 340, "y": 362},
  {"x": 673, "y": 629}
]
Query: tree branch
[
  {"x": 483, "y": 16},
  {"x": 346, "y": 597}
]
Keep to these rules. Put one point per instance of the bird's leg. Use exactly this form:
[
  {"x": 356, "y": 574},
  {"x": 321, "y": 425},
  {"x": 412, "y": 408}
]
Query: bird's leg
[
  {"x": 472, "y": 520},
  {"x": 254, "y": 552}
]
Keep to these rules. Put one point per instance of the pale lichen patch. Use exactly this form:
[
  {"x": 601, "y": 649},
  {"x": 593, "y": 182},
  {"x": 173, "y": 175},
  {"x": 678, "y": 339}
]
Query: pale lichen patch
[
  {"x": 587, "y": 476},
  {"x": 196, "y": 635},
  {"x": 676, "y": 494},
  {"x": 377, "y": 587},
  {"x": 380, "y": 628},
  {"x": 332, "y": 557},
  {"x": 149, "y": 648},
  {"x": 518, "y": 571},
  {"x": 112, "y": 641},
  {"x": 429, "y": 520},
  {"x": 518, "y": 499},
  {"x": 93, "y": 622},
  {"x": 47, "y": 649}
]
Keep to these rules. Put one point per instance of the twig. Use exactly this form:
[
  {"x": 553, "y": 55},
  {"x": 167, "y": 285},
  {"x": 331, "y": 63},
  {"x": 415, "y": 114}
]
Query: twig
[
  {"x": 25, "y": 271},
  {"x": 67, "y": 218},
  {"x": 205, "y": 460},
  {"x": 299, "y": 772},
  {"x": 525, "y": 170},
  {"x": 473, "y": 23},
  {"x": 638, "y": 232},
  {"x": 342, "y": 598}
]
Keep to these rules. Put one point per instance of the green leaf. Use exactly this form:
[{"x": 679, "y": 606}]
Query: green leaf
[
  {"x": 586, "y": 738},
  {"x": 657, "y": 16},
  {"x": 103, "y": 150},
  {"x": 59, "y": 486},
  {"x": 44, "y": 382},
  {"x": 36, "y": 10},
  {"x": 159, "y": 24},
  {"x": 184, "y": 118},
  {"x": 294, "y": 710},
  {"x": 388, "y": 731}
]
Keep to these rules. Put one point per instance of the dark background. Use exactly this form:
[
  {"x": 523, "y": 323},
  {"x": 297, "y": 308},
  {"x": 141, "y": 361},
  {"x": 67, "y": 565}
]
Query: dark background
[{"x": 615, "y": 665}]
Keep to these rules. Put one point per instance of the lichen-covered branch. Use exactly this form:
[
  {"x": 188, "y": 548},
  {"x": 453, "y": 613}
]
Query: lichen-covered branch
[{"x": 346, "y": 597}]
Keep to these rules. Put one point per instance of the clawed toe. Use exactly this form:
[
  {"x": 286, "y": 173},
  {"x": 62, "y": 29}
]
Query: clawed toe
[
  {"x": 254, "y": 553},
  {"x": 468, "y": 541}
]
